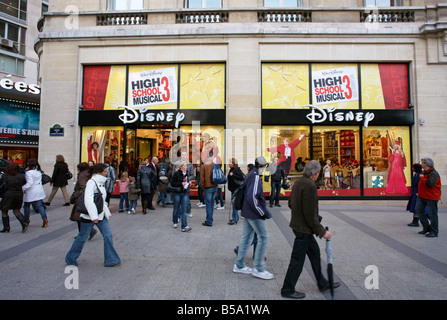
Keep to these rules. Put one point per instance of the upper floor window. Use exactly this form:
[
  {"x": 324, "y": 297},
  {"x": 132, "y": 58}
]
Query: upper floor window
[
  {"x": 194, "y": 4},
  {"x": 283, "y": 3},
  {"x": 14, "y": 8},
  {"x": 383, "y": 3},
  {"x": 12, "y": 37},
  {"x": 124, "y": 5}
]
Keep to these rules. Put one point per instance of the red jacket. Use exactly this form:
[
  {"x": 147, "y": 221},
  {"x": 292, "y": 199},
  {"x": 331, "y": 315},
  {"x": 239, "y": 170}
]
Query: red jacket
[
  {"x": 282, "y": 148},
  {"x": 429, "y": 186}
]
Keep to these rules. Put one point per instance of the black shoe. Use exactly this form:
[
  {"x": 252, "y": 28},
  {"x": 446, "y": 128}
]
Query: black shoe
[
  {"x": 271, "y": 205},
  {"x": 46, "y": 204},
  {"x": 231, "y": 222},
  {"x": 92, "y": 234},
  {"x": 151, "y": 208},
  {"x": 424, "y": 231},
  {"x": 278, "y": 205},
  {"x": 66, "y": 204},
  {"x": 431, "y": 234},
  {"x": 295, "y": 295},
  {"x": 336, "y": 285},
  {"x": 206, "y": 224},
  {"x": 414, "y": 223}
]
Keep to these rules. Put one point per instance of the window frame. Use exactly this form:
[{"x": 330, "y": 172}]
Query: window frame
[
  {"x": 299, "y": 4},
  {"x": 204, "y": 6},
  {"x": 111, "y": 5}
]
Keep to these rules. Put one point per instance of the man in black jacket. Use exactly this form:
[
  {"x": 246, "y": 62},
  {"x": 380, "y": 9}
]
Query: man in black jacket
[
  {"x": 276, "y": 175},
  {"x": 147, "y": 182}
]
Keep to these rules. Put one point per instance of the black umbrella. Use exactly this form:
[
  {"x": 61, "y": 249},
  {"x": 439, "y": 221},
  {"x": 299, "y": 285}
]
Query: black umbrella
[{"x": 330, "y": 270}]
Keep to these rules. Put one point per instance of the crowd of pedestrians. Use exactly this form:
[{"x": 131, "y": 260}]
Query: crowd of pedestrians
[{"x": 95, "y": 184}]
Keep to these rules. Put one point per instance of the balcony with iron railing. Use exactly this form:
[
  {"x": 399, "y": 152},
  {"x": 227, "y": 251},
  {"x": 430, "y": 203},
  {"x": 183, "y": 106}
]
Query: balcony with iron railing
[{"x": 257, "y": 15}]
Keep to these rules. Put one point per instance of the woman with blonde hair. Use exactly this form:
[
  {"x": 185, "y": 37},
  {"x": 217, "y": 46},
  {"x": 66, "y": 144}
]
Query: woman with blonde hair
[{"x": 59, "y": 179}]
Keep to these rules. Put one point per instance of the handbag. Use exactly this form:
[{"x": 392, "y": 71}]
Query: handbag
[
  {"x": 69, "y": 175},
  {"x": 97, "y": 199},
  {"x": 3, "y": 187},
  {"x": 45, "y": 178},
  {"x": 217, "y": 176},
  {"x": 170, "y": 188}
]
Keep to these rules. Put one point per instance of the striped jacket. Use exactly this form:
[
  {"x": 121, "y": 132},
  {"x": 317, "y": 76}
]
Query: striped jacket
[{"x": 254, "y": 206}]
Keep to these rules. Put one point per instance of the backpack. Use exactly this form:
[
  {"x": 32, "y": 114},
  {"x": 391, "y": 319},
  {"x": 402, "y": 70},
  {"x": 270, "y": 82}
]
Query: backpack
[{"x": 162, "y": 171}]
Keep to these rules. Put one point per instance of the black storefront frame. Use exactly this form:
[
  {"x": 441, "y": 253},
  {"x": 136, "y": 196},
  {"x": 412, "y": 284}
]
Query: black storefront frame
[
  {"x": 208, "y": 117},
  {"x": 298, "y": 117}
]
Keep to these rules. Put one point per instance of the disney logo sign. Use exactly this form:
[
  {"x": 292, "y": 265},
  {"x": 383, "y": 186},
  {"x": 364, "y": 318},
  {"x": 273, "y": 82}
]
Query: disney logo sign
[
  {"x": 319, "y": 115},
  {"x": 143, "y": 114}
]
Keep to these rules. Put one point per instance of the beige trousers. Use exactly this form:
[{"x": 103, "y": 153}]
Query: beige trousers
[{"x": 64, "y": 193}]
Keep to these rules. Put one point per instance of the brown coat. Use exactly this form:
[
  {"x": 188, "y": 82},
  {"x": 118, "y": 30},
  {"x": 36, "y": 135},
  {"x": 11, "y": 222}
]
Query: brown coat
[
  {"x": 304, "y": 204},
  {"x": 206, "y": 172}
]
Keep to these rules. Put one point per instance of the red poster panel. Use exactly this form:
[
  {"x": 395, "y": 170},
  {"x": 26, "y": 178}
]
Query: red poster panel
[
  {"x": 394, "y": 78},
  {"x": 96, "y": 80}
]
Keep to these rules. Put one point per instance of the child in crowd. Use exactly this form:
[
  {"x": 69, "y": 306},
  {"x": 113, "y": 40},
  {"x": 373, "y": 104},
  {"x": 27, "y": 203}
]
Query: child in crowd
[
  {"x": 123, "y": 185},
  {"x": 134, "y": 194}
]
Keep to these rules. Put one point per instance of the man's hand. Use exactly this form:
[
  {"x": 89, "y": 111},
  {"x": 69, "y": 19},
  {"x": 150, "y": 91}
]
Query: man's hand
[{"x": 327, "y": 235}]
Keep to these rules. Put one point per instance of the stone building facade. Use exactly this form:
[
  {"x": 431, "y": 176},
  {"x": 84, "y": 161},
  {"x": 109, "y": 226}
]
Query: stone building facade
[{"x": 268, "y": 66}]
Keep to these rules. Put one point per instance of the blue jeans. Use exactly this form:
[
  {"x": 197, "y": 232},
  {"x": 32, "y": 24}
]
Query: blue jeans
[
  {"x": 235, "y": 215},
  {"x": 275, "y": 192},
  {"x": 432, "y": 206},
  {"x": 124, "y": 196},
  {"x": 210, "y": 195},
  {"x": 110, "y": 256},
  {"x": 162, "y": 198},
  {"x": 180, "y": 207},
  {"x": 250, "y": 227},
  {"x": 219, "y": 197},
  {"x": 133, "y": 204},
  {"x": 37, "y": 206}
]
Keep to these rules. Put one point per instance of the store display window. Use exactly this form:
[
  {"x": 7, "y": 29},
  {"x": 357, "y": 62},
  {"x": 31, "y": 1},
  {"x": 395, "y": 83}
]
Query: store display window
[
  {"x": 387, "y": 161},
  {"x": 101, "y": 142},
  {"x": 338, "y": 151},
  {"x": 291, "y": 146}
]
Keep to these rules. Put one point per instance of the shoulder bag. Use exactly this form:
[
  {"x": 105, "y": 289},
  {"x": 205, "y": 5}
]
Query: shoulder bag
[
  {"x": 217, "y": 176},
  {"x": 97, "y": 199}
]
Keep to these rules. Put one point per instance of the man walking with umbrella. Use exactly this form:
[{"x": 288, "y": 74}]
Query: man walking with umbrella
[{"x": 305, "y": 222}]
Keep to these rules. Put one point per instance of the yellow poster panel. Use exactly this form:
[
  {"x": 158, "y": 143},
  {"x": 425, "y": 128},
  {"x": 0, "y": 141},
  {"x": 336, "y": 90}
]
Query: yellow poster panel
[
  {"x": 335, "y": 84},
  {"x": 99, "y": 142},
  {"x": 153, "y": 86},
  {"x": 285, "y": 85},
  {"x": 372, "y": 93},
  {"x": 116, "y": 89},
  {"x": 202, "y": 86}
]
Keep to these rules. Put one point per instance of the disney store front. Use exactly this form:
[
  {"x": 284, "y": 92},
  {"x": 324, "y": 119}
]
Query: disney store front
[
  {"x": 133, "y": 112},
  {"x": 354, "y": 118}
]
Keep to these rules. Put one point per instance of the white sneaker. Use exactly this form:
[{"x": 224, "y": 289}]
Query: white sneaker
[
  {"x": 190, "y": 215},
  {"x": 187, "y": 228},
  {"x": 175, "y": 225},
  {"x": 128, "y": 212},
  {"x": 244, "y": 270},
  {"x": 262, "y": 275},
  {"x": 133, "y": 211},
  {"x": 199, "y": 204},
  {"x": 221, "y": 208},
  {"x": 202, "y": 205}
]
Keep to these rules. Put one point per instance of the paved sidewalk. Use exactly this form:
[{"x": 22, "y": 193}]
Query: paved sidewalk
[{"x": 163, "y": 263}]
